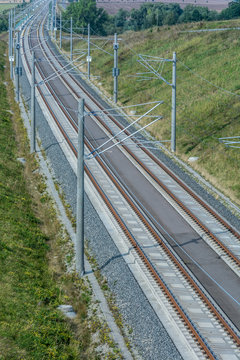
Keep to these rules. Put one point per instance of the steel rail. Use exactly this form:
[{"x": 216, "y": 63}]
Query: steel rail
[
  {"x": 199, "y": 339},
  {"x": 231, "y": 332},
  {"x": 169, "y": 172}
]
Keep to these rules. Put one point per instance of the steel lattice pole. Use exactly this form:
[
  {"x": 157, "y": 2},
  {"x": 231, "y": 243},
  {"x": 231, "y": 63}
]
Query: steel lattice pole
[
  {"x": 173, "y": 127},
  {"x": 33, "y": 126},
  {"x": 80, "y": 192}
]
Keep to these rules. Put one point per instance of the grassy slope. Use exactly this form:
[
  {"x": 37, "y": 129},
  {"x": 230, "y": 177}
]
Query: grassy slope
[
  {"x": 6, "y": 7},
  {"x": 204, "y": 113},
  {"x": 30, "y": 325},
  {"x": 34, "y": 250}
]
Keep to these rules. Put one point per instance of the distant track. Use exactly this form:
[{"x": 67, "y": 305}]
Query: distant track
[
  {"x": 169, "y": 172},
  {"x": 137, "y": 206}
]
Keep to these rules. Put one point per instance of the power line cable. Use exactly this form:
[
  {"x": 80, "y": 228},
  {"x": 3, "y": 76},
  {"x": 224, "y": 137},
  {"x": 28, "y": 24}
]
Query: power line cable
[
  {"x": 154, "y": 220},
  {"x": 121, "y": 131},
  {"x": 209, "y": 82}
]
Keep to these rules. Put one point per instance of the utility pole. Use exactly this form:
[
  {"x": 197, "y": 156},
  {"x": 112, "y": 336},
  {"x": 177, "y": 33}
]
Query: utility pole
[
  {"x": 10, "y": 51},
  {"x": 17, "y": 65},
  {"x": 14, "y": 20},
  {"x": 9, "y": 34},
  {"x": 52, "y": 19},
  {"x": 11, "y": 48},
  {"x": 173, "y": 127},
  {"x": 80, "y": 192},
  {"x": 71, "y": 40},
  {"x": 116, "y": 71},
  {"x": 89, "y": 59},
  {"x": 33, "y": 125},
  {"x": 60, "y": 31},
  {"x": 55, "y": 22},
  {"x": 49, "y": 21}
]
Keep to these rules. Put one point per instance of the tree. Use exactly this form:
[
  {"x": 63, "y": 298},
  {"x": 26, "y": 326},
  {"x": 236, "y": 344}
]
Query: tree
[
  {"x": 233, "y": 11},
  {"x": 172, "y": 14},
  {"x": 171, "y": 18},
  {"x": 190, "y": 13},
  {"x": 137, "y": 18},
  {"x": 121, "y": 18},
  {"x": 3, "y": 23},
  {"x": 85, "y": 12}
]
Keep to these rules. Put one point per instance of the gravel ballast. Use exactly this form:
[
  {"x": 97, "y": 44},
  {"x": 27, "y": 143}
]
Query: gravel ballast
[
  {"x": 147, "y": 332},
  {"x": 189, "y": 180}
]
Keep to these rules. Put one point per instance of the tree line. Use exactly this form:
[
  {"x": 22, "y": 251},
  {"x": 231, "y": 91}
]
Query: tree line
[
  {"x": 147, "y": 16},
  {"x": 5, "y": 14}
]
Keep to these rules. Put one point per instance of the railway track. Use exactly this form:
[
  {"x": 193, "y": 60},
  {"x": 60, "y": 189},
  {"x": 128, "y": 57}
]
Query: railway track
[
  {"x": 137, "y": 208},
  {"x": 235, "y": 257}
]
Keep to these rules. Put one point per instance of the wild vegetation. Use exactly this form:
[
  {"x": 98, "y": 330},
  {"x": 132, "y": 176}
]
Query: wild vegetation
[
  {"x": 208, "y": 90},
  {"x": 147, "y": 16},
  {"x": 7, "y": 6},
  {"x": 34, "y": 253},
  {"x": 84, "y": 12},
  {"x": 4, "y": 10},
  {"x": 3, "y": 21}
]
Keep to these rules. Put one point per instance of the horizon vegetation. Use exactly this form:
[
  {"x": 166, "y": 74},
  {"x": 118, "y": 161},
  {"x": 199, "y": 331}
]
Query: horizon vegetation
[{"x": 147, "y": 16}]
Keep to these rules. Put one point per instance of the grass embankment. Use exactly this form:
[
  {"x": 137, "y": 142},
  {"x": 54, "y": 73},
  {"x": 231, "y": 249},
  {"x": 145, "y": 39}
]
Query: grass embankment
[
  {"x": 33, "y": 252},
  {"x": 204, "y": 112},
  {"x": 30, "y": 325},
  {"x": 6, "y": 7}
]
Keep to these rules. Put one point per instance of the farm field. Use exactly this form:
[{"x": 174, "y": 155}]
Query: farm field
[{"x": 112, "y": 7}]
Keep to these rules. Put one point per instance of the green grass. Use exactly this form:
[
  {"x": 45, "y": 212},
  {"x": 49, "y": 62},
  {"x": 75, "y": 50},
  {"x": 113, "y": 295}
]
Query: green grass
[
  {"x": 30, "y": 325},
  {"x": 204, "y": 112},
  {"x": 6, "y": 7},
  {"x": 34, "y": 250}
]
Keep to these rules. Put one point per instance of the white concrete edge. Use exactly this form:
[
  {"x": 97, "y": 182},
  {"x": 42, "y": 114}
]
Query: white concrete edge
[
  {"x": 199, "y": 178},
  {"x": 187, "y": 167},
  {"x": 173, "y": 331},
  {"x": 115, "y": 332},
  {"x": 161, "y": 311},
  {"x": 175, "y": 334}
]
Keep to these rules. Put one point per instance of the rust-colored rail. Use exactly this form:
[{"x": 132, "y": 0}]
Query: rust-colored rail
[
  {"x": 156, "y": 236},
  {"x": 153, "y": 272},
  {"x": 191, "y": 328},
  {"x": 143, "y": 218},
  {"x": 169, "y": 172}
]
